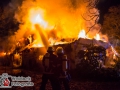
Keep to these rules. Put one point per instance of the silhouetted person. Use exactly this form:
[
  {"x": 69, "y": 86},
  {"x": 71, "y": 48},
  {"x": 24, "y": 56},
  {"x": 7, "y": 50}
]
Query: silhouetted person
[
  {"x": 49, "y": 66},
  {"x": 62, "y": 68}
]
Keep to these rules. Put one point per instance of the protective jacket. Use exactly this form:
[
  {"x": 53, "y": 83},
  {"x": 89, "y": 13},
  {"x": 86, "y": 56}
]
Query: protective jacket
[
  {"x": 62, "y": 66},
  {"x": 49, "y": 63}
]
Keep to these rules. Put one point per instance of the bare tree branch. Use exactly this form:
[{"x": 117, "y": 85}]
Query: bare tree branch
[
  {"x": 92, "y": 25},
  {"x": 92, "y": 15}
]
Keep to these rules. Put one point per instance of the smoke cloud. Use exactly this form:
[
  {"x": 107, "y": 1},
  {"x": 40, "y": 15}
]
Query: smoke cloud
[
  {"x": 62, "y": 15},
  {"x": 62, "y": 18}
]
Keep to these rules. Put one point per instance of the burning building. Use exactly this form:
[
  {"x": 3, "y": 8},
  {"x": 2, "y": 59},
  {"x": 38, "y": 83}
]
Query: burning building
[
  {"x": 58, "y": 23},
  {"x": 82, "y": 49}
]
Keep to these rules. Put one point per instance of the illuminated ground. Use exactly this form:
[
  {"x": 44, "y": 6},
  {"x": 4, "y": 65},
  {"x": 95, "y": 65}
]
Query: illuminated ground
[{"x": 74, "y": 84}]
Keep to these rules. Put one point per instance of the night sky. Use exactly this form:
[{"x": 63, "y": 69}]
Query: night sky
[
  {"x": 103, "y": 7},
  {"x": 5, "y": 2}
]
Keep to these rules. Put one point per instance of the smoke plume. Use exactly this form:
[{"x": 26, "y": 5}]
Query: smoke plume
[{"x": 58, "y": 18}]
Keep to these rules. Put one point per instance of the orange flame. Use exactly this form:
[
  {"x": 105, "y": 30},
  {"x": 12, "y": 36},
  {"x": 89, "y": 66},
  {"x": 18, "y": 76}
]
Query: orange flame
[
  {"x": 2, "y": 54},
  {"x": 36, "y": 17},
  {"x": 82, "y": 34},
  {"x": 47, "y": 21},
  {"x": 16, "y": 56},
  {"x": 39, "y": 20},
  {"x": 37, "y": 45},
  {"x": 97, "y": 37}
]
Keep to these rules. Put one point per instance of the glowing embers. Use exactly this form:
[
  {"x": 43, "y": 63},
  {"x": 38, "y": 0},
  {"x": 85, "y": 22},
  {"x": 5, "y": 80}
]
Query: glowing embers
[
  {"x": 17, "y": 56},
  {"x": 2, "y": 54},
  {"x": 37, "y": 45},
  {"x": 17, "y": 60}
]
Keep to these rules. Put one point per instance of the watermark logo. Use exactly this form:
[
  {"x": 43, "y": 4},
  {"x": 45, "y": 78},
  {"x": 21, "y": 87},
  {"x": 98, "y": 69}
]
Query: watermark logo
[{"x": 7, "y": 81}]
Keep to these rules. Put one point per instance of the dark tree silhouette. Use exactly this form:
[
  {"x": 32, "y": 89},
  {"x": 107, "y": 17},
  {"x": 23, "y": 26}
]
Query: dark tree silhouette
[
  {"x": 104, "y": 5},
  {"x": 8, "y": 25},
  {"x": 111, "y": 23}
]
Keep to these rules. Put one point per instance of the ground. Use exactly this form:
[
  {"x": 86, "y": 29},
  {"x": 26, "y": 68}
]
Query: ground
[{"x": 75, "y": 84}]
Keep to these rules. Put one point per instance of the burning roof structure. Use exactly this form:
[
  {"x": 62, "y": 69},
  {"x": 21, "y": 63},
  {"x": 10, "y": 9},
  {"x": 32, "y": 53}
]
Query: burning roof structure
[
  {"x": 72, "y": 49},
  {"x": 57, "y": 22}
]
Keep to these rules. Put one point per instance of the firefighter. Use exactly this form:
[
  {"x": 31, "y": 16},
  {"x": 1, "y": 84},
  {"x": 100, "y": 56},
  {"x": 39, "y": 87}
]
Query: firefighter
[
  {"x": 49, "y": 65},
  {"x": 62, "y": 68}
]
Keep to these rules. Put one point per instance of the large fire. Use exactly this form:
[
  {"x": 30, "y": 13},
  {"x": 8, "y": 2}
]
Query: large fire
[
  {"x": 53, "y": 22},
  {"x": 82, "y": 34},
  {"x": 50, "y": 22}
]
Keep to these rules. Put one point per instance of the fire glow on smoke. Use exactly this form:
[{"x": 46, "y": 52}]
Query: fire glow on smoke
[{"x": 51, "y": 21}]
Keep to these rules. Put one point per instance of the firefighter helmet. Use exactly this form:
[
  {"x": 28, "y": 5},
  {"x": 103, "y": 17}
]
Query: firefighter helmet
[
  {"x": 59, "y": 50},
  {"x": 50, "y": 49},
  {"x": 65, "y": 57}
]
